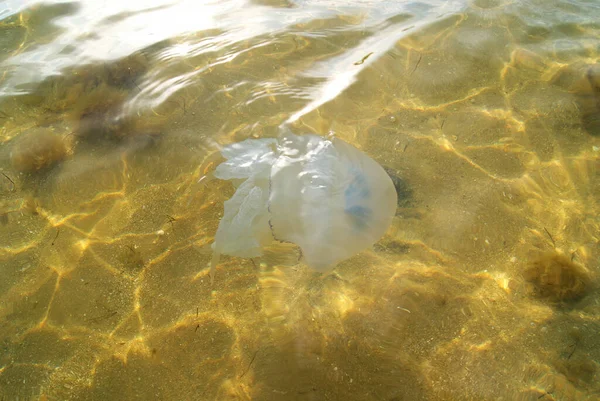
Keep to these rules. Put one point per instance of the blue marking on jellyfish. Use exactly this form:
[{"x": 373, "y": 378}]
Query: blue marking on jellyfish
[{"x": 355, "y": 194}]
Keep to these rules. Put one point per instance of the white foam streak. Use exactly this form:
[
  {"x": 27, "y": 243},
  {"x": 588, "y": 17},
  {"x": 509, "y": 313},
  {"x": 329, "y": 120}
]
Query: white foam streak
[{"x": 342, "y": 71}]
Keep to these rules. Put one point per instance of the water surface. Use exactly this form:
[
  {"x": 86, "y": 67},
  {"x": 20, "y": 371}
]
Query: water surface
[{"x": 486, "y": 113}]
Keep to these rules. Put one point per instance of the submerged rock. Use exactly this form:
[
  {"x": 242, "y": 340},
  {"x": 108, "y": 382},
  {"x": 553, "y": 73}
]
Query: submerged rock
[
  {"x": 99, "y": 115},
  {"x": 587, "y": 93},
  {"x": 403, "y": 191},
  {"x": 591, "y": 117},
  {"x": 37, "y": 149},
  {"x": 558, "y": 278}
]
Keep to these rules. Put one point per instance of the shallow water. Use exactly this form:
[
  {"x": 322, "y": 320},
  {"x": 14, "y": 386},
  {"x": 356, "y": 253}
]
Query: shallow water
[{"x": 486, "y": 114}]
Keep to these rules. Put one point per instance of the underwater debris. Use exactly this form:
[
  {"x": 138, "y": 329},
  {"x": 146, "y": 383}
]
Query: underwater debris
[
  {"x": 56, "y": 236},
  {"x": 13, "y": 185},
  {"x": 417, "y": 65},
  {"x": 132, "y": 258},
  {"x": 362, "y": 60},
  {"x": 30, "y": 205}
]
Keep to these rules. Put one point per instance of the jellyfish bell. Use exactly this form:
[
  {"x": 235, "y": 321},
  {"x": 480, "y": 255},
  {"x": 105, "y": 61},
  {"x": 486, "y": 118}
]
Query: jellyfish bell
[
  {"x": 329, "y": 198},
  {"x": 244, "y": 228},
  {"x": 323, "y": 195}
]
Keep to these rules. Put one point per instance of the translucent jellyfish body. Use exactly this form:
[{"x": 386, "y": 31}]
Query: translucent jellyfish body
[{"x": 323, "y": 195}]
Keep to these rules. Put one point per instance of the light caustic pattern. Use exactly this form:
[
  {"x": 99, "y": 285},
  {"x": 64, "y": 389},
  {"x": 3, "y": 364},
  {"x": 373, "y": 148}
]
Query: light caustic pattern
[{"x": 484, "y": 126}]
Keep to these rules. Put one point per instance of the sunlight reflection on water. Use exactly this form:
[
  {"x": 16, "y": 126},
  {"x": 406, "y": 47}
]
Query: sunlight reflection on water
[
  {"x": 484, "y": 114},
  {"x": 90, "y": 32}
]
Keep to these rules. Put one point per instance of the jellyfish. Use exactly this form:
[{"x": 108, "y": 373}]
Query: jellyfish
[{"x": 322, "y": 194}]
